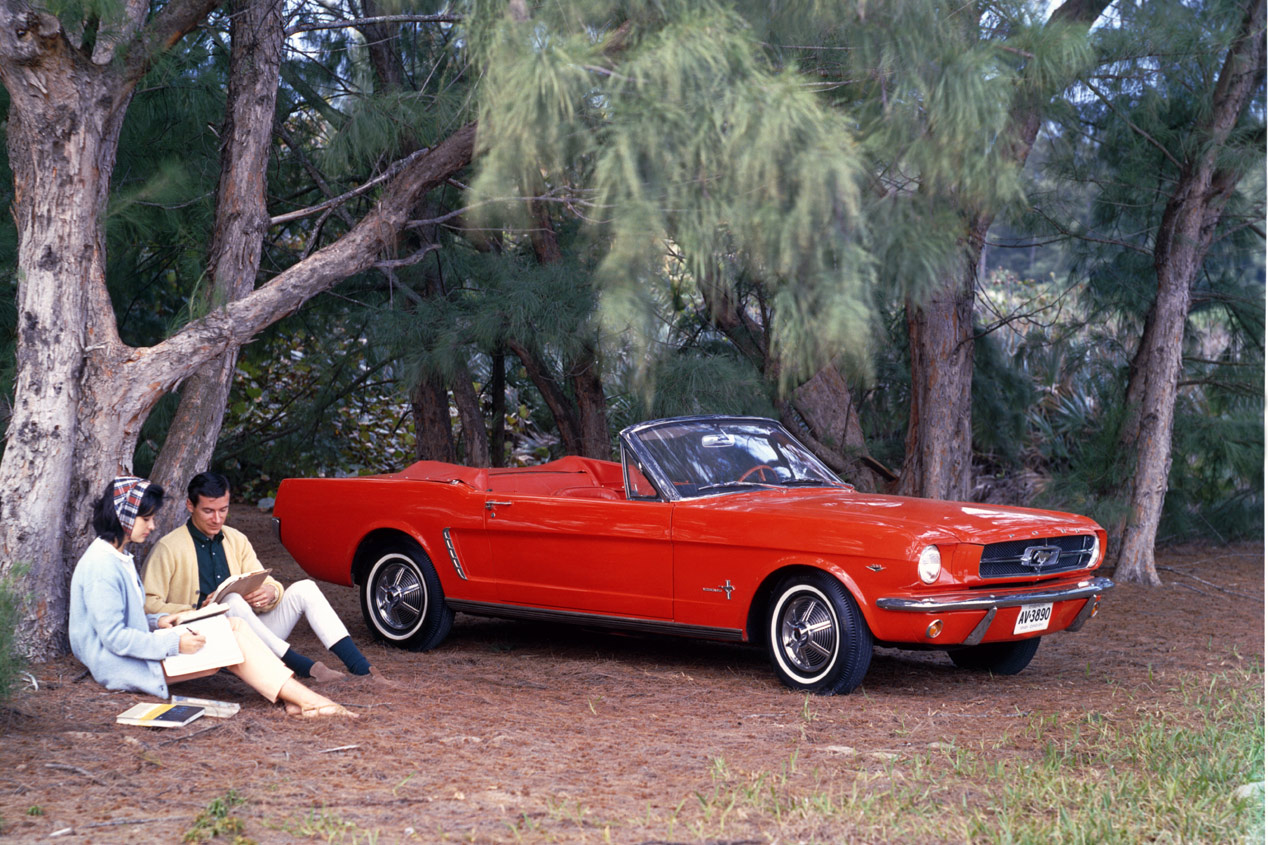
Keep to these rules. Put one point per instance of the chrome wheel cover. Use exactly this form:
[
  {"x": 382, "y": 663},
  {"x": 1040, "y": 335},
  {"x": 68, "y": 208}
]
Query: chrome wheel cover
[
  {"x": 399, "y": 596},
  {"x": 808, "y": 634}
]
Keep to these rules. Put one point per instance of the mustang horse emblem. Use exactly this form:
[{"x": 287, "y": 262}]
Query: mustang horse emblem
[{"x": 1037, "y": 557}]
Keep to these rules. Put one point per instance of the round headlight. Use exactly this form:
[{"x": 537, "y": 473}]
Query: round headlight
[
  {"x": 930, "y": 564},
  {"x": 1096, "y": 551}
]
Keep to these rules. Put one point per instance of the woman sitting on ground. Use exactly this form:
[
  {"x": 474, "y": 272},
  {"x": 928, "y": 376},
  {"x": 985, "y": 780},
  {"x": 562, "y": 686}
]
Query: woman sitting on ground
[{"x": 123, "y": 647}]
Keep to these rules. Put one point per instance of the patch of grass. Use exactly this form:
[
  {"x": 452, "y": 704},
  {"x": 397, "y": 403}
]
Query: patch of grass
[
  {"x": 216, "y": 821},
  {"x": 324, "y": 825},
  {"x": 1139, "y": 774}
]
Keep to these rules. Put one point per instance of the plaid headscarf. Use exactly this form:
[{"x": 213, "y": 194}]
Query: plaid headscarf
[{"x": 127, "y": 499}]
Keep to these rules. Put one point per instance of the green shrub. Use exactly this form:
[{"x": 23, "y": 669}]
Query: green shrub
[{"x": 12, "y": 663}]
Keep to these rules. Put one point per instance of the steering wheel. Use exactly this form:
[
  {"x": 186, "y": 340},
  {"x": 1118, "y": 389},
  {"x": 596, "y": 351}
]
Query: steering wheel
[{"x": 761, "y": 474}]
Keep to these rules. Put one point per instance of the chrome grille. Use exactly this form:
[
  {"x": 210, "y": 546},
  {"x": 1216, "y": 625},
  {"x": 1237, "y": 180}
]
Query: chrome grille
[{"x": 1042, "y": 556}]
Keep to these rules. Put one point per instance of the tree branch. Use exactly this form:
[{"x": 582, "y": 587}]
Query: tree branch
[
  {"x": 392, "y": 171},
  {"x": 1142, "y": 133},
  {"x": 235, "y": 324},
  {"x": 170, "y": 25},
  {"x": 360, "y": 22}
]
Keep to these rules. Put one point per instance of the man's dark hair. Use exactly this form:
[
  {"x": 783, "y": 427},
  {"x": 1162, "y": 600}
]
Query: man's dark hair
[
  {"x": 213, "y": 485},
  {"x": 106, "y": 522}
]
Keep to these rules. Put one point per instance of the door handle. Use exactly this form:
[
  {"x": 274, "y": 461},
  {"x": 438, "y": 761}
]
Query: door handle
[{"x": 490, "y": 504}]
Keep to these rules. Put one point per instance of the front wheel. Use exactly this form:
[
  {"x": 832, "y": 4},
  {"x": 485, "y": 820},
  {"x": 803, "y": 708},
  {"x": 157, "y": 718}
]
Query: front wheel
[
  {"x": 996, "y": 658},
  {"x": 401, "y": 599},
  {"x": 816, "y": 635}
]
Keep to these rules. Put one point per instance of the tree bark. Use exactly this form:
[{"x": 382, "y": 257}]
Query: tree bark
[
  {"x": 475, "y": 437},
  {"x": 242, "y": 219},
  {"x": 556, "y": 400},
  {"x": 1184, "y": 235},
  {"x": 66, "y": 109},
  {"x": 380, "y": 42},
  {"x": 939, "y": 455},
  {"x": 939, "y": 448},
  {"x": 433, "y": 432},
  {"x": 823, "y": 414},
  {"x": 497, "y": 398},
  {"x": 592, "y": 404},
  {"x": 81, "y": 395}
]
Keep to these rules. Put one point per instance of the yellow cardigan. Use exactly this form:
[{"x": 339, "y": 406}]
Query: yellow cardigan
[{"x": 170, "y": 576}]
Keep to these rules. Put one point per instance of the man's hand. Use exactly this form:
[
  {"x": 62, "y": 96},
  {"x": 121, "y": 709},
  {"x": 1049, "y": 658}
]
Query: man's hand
[
  {"x": 262, "y": 597},
  {"x": 166, "y": 621}
]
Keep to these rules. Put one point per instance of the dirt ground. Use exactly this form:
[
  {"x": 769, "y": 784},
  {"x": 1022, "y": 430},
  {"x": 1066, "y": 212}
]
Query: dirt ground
[{"x": 516, "y": 731}]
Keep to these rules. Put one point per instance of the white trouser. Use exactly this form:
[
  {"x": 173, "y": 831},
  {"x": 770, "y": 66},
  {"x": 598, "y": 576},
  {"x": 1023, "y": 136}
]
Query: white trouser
[{"x": 303, "y": 598}]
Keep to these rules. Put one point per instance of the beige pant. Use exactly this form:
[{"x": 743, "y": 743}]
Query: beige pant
[{"x": 260, "y": 668}]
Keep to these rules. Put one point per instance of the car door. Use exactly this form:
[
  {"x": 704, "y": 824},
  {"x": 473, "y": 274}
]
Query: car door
[{"x": 604, "y": 556}]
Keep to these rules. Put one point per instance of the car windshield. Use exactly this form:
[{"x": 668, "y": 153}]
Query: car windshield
[{"x": 709, "y": 457}]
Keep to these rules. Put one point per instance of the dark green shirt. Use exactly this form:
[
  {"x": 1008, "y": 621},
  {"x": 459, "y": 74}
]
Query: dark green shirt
[{"x": 213, "y": 566}]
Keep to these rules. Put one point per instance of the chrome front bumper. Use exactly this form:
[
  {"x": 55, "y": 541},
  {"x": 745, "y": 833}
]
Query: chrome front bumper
[{"x": 992, "y": 602}]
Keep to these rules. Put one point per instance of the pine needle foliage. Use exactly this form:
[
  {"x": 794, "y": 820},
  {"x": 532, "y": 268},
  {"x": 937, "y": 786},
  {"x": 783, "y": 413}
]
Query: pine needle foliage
[
  {"x": 1123, "y": 139},
  {"x": 674, "y": 120},
  {"x": 826, "y": 147},
  {"x": 12, "y": 598}
]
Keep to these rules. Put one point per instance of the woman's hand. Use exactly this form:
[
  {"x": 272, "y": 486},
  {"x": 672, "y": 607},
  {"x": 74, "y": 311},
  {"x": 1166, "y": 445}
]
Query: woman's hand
[
  {"x": 166, "y": 621},
  {"x": 192, "y": 642}
]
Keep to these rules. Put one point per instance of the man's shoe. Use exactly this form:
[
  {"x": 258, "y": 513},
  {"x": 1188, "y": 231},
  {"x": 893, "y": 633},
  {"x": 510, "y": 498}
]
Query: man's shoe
[{"x": 323, "y": 674}]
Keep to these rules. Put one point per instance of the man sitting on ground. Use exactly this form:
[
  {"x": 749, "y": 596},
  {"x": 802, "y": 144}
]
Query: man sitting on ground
[{"x": 187, "y": 565}]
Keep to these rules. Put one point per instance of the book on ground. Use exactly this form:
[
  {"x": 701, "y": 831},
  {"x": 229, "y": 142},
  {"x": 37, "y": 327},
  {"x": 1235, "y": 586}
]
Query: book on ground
[
  {"x": 152, "y": 715},
  {"x": 203, "y": 612},
  {"x": 217, "y": 709},
  {"x": 221, "y": 648},
  {"x": 246, "y": 583}
]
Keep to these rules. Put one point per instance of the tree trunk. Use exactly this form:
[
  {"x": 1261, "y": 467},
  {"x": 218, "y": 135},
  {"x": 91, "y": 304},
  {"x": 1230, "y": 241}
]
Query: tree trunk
[
  {"x": 592, "y": 405},
  {"x": 556, "y": 400},
  {"x": 497, "y": 398},
  {"x": 823, "y": 414},
  {"x": 242, "y": 220},
  {"x": 939, "y": 447},
  {"x": 433, "y": 433},
  {"x": 1184, "y": 235},
  {"x": 80, "y": 394},
  {"x": 380, "y": 42},
  {"x": 65, "y": 114},
  {"x": 475, "y": 437}
]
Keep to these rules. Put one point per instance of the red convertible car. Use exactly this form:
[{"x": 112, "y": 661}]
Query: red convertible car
[{"x": 719, "y": 527}]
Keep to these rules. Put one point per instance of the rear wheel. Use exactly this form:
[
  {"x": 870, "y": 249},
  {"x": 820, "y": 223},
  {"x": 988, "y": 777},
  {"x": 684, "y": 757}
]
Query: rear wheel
[
  {"x": 996, "y": 658},
  {"x": 401, "y": 599},
  {"x": 816, "y": 635}
]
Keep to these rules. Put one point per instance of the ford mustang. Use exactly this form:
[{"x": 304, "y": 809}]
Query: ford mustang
[{"x": 719, "y": 527}]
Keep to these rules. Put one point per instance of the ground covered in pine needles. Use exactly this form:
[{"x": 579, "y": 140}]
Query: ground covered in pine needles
[{"x": 527, "y": 732}]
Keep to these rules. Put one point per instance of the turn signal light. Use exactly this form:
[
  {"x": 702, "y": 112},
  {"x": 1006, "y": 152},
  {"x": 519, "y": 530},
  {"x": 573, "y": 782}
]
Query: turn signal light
[
  {"x": 934, "y": 629},
  {"x": 1096, "y": 607}
]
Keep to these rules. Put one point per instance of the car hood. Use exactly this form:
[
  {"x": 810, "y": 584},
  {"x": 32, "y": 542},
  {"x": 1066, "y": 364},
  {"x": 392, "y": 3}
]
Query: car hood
[{"x": 930, "y": 519}]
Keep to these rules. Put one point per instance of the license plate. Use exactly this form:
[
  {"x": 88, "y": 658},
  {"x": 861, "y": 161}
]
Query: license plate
[{"x": 1033, "y": 617}]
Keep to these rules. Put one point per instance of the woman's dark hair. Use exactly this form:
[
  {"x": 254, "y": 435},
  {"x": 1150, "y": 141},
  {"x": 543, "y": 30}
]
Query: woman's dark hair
[{"x": 106, "y": 522}]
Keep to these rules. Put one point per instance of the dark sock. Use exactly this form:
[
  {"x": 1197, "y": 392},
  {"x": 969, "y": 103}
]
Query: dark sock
[
  {"x": 298, "y": 663},
  {"x": 347, "y": 651}
]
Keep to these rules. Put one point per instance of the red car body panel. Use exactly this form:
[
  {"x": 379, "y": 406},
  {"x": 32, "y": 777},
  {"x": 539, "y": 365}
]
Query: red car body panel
[{"x": 562, "y": 537}]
